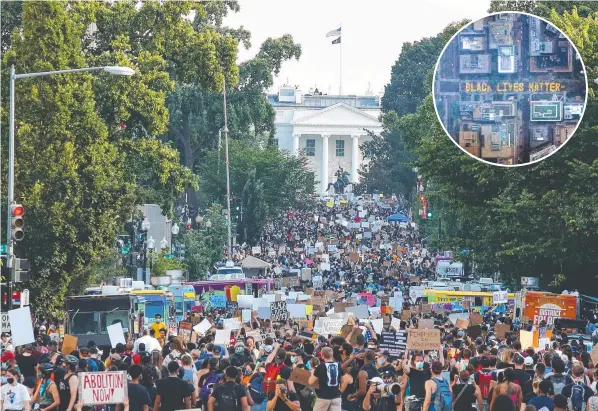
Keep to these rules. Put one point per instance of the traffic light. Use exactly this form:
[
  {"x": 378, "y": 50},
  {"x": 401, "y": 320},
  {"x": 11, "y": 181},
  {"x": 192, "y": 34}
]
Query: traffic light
[
  {"x": 430, "y": 213},
  {"x": 422, "y": 198},
  {"x": 17, "y": 222}
]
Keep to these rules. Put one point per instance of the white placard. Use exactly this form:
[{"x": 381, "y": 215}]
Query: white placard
[
  {"x": 457, "y": 316},
  {"x": 222, "y": 337},
  {"x": 256, "y": 250},
  {"x": 296, "y": 310},
  {"x": 245, "y": 301},
  {"x": 395, "y": 323},
  {"x": 107, "y": 387},
  {"x": 231, "y": 323},
  {"x": 416, "y": 292},
  {"x": 246, "y": 314},
  {"x": 332, "y": 326},
  {"x": 317, "y": 281},
  {"x": 378, "y": 325},
  {"x": 325, "y": 266},
  {"x": 499, "y": 297},
  {"x": 202, "y": 327},
  {"x": 116, "y": 334},
  {"x": 23, "y": 332}
]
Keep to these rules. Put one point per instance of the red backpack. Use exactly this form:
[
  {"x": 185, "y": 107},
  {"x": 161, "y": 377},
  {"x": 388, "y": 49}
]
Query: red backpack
[
  {"x": 271, "y": 376},
  {"x": 485, "y": 380}
]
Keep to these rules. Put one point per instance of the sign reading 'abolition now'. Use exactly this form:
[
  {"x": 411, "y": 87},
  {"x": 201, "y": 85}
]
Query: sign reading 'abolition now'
[{"x": 103, "y": 387}]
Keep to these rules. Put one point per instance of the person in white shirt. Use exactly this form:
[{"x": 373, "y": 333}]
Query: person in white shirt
[
  {"x": 14, "y": 396},
  {"x": 150, "y": 342}
]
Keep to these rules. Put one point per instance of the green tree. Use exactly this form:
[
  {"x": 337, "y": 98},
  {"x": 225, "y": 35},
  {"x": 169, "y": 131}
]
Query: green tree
[
  {"x": 205, "y": 244},
  {"x": 255, "y": 210},
  {"x": 286, "y": 180},
  {"x": 78, "y": 174}
]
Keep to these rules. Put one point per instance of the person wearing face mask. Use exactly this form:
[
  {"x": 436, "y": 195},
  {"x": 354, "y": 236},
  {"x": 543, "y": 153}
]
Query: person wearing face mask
[
  {"x": 419, "y": 373},
  {"x": 253, "y": 351},
  {"x": 46, "y": 394},
  {"x": 382, "y": 363},
  {"x": 13, "y": 395},
  {"x": 240, "y": 356}
]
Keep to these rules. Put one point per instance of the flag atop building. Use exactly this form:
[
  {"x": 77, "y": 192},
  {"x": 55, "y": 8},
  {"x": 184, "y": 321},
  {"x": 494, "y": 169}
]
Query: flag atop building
[
  {"x": 334, "y": 33},
  {"x": 336, "y": 41}
]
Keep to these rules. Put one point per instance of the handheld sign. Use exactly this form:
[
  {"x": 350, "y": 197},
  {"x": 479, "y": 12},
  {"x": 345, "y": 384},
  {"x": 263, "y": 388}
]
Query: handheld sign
[
  {"x": 103, "y": 387},
  {"x": 279, "y": 311},
  {"x": 423, "y": 340}
]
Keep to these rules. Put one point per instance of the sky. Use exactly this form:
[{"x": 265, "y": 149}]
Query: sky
[{"x": 373, "y": 33}]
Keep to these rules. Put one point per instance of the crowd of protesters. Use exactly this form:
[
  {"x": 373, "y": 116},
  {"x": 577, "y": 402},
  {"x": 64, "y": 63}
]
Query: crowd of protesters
[{"x": 350, "y": 371}]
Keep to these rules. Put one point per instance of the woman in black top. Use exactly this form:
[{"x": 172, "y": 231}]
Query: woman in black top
[{"x": 465, "y": 393}]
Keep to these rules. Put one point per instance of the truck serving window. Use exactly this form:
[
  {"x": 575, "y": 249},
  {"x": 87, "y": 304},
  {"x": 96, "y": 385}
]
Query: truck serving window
[
  {"x": 109, "y": 318},
  {"x": 84, "y": 323}
]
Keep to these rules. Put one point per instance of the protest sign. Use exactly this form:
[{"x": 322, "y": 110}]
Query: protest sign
[
  {"x": 246, "y": 315},
  {"x": 461, "y": 324},
  {"x": 332, "y": 326},
  {"x": 21, "y": 326},
  {"x": 218, "y": 301},
  {"x": 69, "y": 344},
  {"x": 256, "y": 335},
  {"x": 360, "y": 311},
  {"x": 256, "y": 250},
  {"x": 108, "y": 387},
  {"x": 222, "y": 337},
  {"x": 395, "y": 323},
  {"x": 296, "y": 310},
  {"x": 394, "y": 342},
  {"x": 474, "y": 331},
  {"x": 426, "y": 309},
  {"x": 185, "y": 329},
  {"x": 340, "y": 307},
  {"x": 425, "y": 323},
  {"x": 300, "y": 375},
  {"x": 423, "y": 339},
  {"x": 457, "y": 316},
  {"x": 475, "y": 318},
  {"x": 278, "y": 310},
  {"x": 406, "y": 315},
  {"x": 245, "y": 301},
  {"x": 499, "y": 297},
  {"x": 116, "y": 334},
  {"x": 500, "y": 330},
  {"x": 202, "y": 327},
  {"x": 231, "y": 323},
  {"x": 594, "y": 354},
  {"x": 527, "y": 339}
]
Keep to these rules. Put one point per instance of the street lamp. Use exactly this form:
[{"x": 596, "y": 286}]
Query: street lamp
[
  {"x": 145, "y": 225},
  {"x": 114, "y": 70},
  {"x": 163, "y": 243},
  {"x": 175, "y": 229},
  {"x": 151, "y": 243},
  {"x": 208, "y": 224},
  {"x": 198, "y": 219}
]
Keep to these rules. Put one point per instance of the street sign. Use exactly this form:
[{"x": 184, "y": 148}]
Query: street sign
[
  {"x": 125, "y": 250},
  {"x": 3, "y": 249},
  {"x": 168, "y": 256},
  {"x": 5, "y": 323}
]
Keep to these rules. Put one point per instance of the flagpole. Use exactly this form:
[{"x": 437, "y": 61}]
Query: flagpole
[{"x": 340, "y": 67}]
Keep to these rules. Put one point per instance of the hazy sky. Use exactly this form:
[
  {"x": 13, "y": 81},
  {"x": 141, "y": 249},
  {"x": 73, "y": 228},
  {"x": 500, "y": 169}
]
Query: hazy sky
[{"x": 373, "y": 32}]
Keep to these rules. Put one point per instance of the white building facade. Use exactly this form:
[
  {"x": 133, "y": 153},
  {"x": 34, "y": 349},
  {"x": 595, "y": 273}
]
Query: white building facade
[{"x": 328, "y": 130}]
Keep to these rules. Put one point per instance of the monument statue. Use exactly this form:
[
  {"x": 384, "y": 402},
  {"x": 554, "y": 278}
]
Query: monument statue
[{"x": 342, "y": 181}]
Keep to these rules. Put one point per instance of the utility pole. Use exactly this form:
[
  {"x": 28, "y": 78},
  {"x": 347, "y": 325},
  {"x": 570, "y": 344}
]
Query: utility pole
[{"x": 225, "y": 130}]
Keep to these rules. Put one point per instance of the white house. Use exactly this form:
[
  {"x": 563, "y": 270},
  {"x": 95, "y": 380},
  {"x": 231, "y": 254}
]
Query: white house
[{"x": 327, "y": 129}]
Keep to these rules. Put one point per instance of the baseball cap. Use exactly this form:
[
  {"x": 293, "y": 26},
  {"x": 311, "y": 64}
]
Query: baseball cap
[
  {"x": 519, "y": 360},
  {"x": 386, "y": 353},
  {"x": 460, "y": 334},
  {"x": 281, "y": 354},
  {"x": 528, "y": 361}
]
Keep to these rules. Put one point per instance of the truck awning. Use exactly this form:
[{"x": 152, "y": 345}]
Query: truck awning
[{"x": 150, "y": 298}]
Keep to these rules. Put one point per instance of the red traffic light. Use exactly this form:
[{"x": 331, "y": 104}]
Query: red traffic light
[{"x": 17, "y": 210}]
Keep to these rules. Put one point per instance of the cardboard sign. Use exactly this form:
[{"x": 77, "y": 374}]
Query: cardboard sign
[
  {"x": 423, "y": 339},
  {"x": 300, "y": 375},
  {"x": 69, "y": 344},
  {"x": 474, "y": 331},
  {"x": 279, "y": 311},
  {"x": 425, "y": 323},
  {"x": 462, "y": 324},
  {"x": 406, "y": 315},
  {"x": 527, "y": 339},
  {"x": 594, "y": 355},
  {"x": 426, "y": 309},
  {"x": 256, "y": 335},
  {"x": 500, "y": 330},
  {"x": 475, "y": 319},
  {"x": 108, "y": 387}
]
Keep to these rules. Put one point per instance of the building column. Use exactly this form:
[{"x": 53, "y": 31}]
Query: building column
[
  {"x": 355, "y": 159},
  {"x": 324, "y": 173},
  {"x": 296, "y": 144}
]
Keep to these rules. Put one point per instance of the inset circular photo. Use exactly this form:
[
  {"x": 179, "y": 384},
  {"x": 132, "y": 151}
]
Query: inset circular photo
[{"x": 510, "y": 89}]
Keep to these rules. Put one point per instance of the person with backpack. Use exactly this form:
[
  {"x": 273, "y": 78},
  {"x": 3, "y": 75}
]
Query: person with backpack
[
  {"x": 438, "y": 391},
  {"x": 578, "y": 394},
  {"x": 274, "y": 363},
  {"x": 209, "y": 380},
  {"x": 484, "y": 380},
  {"x": 544, "y": 397},
  {"x": 92, "y": 364},
  {"x": 229, "y": 396},
  {"x": 558, "y": 378},
  {"x": 593, "y": 403},
  {"x": 190, "y": 376},
  {"x": 255, "y": 389}
]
